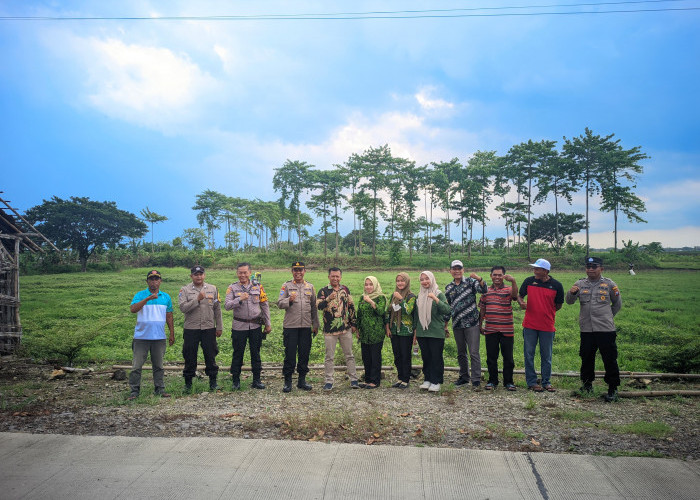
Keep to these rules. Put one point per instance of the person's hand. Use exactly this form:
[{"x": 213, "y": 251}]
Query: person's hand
[
  {"x": 267, "y": 329},
  {"x": 201, "y": 295},
  {"x": 509, "y": 278},
  {"x": 475, "y": 276},
  {"x": 574, "y": 290},
  {"x": 353, "y": 329},
  {"x": 244, "y": 296},
  {"x": 332, "y": 296},
  {"x": 367, "y": 299},
  {"x": 398, "y": 296},
  {"x": 447, "y": 333},
  {"x": 314, "y": 332},
  {"x": 481, "y": 329},
  {"x": 171, "y": 339},
  {"x": 388, "y": 332},
  {"x": 153, "y": 296},
  {"x": 431, "y": 295},
  {"x": 292, "y": 296},
  {"x": 218, "y": 333}
]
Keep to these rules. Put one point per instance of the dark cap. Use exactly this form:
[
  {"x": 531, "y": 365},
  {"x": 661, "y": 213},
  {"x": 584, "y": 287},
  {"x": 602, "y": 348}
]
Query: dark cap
[
  {"x": 298, "y": 264},
  {"x": 152, "y": 274},
  {"x": 594, "y": 260},
  {"x": 197, "y": 269}
]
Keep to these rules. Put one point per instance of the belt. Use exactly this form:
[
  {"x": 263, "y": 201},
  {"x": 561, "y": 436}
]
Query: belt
[{"x": 257, "y": 320}]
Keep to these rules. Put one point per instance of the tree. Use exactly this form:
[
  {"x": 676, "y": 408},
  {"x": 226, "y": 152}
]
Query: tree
[
  {"x": 558, "y": 177},
  {"x": 589, "y": 153},
  {"x": 529, "y": 159},
  {"x": 622, "y": 165},
  {"x": 195, "y": 237},
  {"x": 153, "y": 218},
  {"x": 543, "y": 228},
  {"x": 84, "y": 225},
  {"x": 291, "y": 179},
  {"x": 327, "y": 202},
  {"x": 444, "y": 175},
  {"x": 210, "y": 205}
]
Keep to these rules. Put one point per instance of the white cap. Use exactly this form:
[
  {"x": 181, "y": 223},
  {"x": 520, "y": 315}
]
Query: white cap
[
  {"x": 544, "y": 264},
  {"x": 456, "y": 263}
]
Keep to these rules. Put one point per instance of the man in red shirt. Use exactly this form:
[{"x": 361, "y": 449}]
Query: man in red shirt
[{"x": 545, "y": 297}]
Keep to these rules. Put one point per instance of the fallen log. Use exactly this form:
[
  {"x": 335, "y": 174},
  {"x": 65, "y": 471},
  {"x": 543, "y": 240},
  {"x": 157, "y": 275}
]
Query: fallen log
[{"x": 653, "y": 394}]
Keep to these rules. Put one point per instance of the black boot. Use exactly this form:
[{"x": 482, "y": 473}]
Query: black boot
[
  {"x": 236, "y": 385},
  {"x": 212, "y": 383},
  {"x": 257, "y": 384},
  {"x": 287, "y": 384},
  {"x": 301, "y": 383},
  {"x": 611, "y": 396},
  {"x": 188, "y": 385}
]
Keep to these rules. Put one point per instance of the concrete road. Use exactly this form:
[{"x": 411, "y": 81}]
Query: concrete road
[{"x": 49, "y": 466}]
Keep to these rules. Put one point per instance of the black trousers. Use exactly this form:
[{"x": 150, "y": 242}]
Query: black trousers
[
  {"x": 433, "y": 362},
  {"x": 239, "y": 339},
  {"x": 191, "y": 339},
  {"x": 494, "y": 343},
  {"x": 592, "y": 342},
  {"x": 296, "y": 340},
  {"x": 401, "y": 345},
  {"x": 372, "y": 359}
]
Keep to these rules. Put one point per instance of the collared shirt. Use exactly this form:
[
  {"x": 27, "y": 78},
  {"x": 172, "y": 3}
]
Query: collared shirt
[
  {"x": 202, "y": 314},
  {"x": 256, "y": 307},
  {"x": 301, "y": 312},
  {"x": 498, "y": 310},
  {"x": 462, "y": 300},
  {"x": 600, "y": 302},
  {"x": 150, "y": 320},
  {"x": 542, "y": 300}
]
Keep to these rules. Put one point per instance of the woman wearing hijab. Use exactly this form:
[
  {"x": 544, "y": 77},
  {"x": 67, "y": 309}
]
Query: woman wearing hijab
[
  {"x": 370, "y": 330},
  {"x": 430, "y": 331},
  {"x": 402, "y": 318}
]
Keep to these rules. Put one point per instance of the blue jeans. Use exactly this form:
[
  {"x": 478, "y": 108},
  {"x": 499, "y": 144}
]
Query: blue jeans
[{"x": 530, "y": 339}]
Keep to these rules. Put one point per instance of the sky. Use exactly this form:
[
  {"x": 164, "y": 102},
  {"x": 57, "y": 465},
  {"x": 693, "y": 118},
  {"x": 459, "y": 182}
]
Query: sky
[{"x": 150, "y": 112}]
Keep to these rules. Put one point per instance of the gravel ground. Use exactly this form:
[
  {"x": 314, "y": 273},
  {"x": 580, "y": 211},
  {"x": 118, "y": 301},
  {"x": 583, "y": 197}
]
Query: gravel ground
[{"x": 559, "y": 422}]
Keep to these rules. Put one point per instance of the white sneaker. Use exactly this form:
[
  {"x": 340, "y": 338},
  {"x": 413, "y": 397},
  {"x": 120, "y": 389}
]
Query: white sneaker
[
  {"x": 434, "y": 388},
  {"x": 425, "y": 385}
]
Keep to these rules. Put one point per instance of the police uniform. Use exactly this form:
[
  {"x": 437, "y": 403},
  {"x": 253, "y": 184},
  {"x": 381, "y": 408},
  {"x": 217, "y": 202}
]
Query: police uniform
[
  {"x": 300, "y": 317},
  {"x": 202, "y": 321},
  {"x": 600, "y": 301},
  {"x": 248, "y": 317}
]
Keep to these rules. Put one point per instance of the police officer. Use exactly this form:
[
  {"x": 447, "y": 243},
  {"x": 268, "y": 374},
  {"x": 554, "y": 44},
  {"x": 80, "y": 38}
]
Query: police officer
[
  {"x": 600, "y": 301},
  {"x": 298, "y": 299},
  {"x": 199, "y": 301},
  {"x": 251, "y": 310}
]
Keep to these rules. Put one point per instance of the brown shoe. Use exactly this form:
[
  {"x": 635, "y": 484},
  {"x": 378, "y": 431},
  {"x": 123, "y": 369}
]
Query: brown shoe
[
  {"x": 549, "y": 388},
  {"x": 163, "y": 395},
  {"x": 536, "y": 388}
]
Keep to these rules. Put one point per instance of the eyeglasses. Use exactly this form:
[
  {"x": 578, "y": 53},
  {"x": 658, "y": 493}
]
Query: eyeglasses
[{"x": 592, "y": 266}]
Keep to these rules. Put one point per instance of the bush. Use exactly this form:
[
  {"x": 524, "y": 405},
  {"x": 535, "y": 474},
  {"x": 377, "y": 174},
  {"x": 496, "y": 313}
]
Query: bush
[
  {"x": 680, "y": 356},
  {"x": 62, "y": 341}
]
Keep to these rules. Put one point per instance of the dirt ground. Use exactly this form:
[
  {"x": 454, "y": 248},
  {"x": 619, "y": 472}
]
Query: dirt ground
[{"x": 561, "y": 422}]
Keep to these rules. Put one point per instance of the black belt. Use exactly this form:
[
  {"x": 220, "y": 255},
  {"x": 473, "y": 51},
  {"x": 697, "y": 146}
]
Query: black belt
[{"x": 257, "y": 320}]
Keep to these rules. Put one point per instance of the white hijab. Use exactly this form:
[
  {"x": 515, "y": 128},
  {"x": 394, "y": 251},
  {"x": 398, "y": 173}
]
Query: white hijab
[{"x": 425, "y": 303}]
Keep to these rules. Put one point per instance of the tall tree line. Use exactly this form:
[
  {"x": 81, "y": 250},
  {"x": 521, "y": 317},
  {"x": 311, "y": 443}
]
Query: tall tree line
[{"x": 384, "y": 190}]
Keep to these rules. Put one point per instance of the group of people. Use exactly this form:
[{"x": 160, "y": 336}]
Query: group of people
[{"x": 405, "y": 317}]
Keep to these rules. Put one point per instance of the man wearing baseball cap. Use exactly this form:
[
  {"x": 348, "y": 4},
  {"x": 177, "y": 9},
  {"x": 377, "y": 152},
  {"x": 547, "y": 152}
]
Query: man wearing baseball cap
[
  {"x": 545, "y": 296},
  {"x": 600, "y": 301},
  {"x": 200, "y": 303},
  {"x": 154, "y": 310}
]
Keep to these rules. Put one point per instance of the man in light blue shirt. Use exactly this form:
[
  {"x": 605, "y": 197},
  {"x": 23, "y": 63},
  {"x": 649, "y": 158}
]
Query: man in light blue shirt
[{"x": 154, "y": 310}]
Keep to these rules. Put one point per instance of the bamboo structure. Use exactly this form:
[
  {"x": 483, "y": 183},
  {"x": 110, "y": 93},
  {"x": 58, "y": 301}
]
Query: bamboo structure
[{"x": 15, "y": 235}]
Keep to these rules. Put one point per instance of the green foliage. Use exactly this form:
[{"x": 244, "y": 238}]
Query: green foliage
[
  {"x": 679, "y": 355},
  {"x": 83, "y": 225},
  {"x": 62, "y": 340}
]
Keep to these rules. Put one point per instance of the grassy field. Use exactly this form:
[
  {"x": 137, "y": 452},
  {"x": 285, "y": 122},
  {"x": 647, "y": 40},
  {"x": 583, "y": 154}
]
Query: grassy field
[{"x": 658, "y": 313}]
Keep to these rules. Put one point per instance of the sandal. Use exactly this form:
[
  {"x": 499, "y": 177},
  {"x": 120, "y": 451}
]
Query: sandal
[
  {"x": 549, "y": 388},
  {"x": 536, "y": 388},
  {"x": 510, "y": 387},
  {"x": 397, "y": 384},
  {"x": 403, "y": 385},
  {"x": 490, "y": 386}
]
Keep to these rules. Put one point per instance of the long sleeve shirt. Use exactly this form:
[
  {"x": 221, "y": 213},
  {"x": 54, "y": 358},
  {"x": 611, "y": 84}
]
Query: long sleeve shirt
[
  {"x": 301, "y": 312},
  {"x": 462, "y": 300},
  {"x": 600, "y": 302}
]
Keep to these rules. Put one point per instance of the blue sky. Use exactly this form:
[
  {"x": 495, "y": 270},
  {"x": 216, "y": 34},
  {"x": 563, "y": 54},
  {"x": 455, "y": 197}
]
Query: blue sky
[{"x": 153, "y": 112}]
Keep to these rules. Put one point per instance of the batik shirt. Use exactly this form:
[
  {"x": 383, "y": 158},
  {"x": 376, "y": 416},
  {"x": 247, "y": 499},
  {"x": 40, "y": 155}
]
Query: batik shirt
[
  {"x": 339, "y": 313},
  {"x": 462, "y": 299}
]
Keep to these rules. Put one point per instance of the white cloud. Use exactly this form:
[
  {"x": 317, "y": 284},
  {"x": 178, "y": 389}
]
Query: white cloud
[
  {"x": 147, "y": 85},
  {"x": 688, "y": 236},
  {"x": 431, "y": 104}
]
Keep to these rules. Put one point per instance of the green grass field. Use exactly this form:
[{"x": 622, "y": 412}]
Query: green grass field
[{"x": 658, "y": 313}]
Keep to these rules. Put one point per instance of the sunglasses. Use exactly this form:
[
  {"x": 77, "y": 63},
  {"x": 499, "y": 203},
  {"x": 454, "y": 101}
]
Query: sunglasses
[{"x": 592, "y": 266}]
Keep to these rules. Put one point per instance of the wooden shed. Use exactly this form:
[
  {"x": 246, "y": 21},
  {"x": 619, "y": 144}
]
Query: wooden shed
[{"x": 16, "y": 235}]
